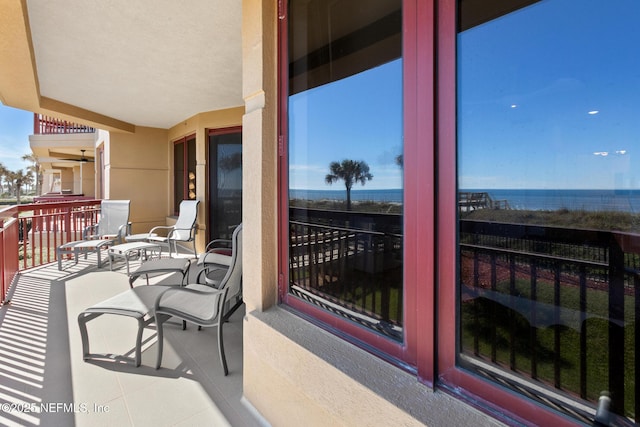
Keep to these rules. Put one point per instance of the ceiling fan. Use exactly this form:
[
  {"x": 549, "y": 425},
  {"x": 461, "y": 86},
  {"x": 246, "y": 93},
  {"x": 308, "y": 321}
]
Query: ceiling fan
[{"x": 82, "y": 157}]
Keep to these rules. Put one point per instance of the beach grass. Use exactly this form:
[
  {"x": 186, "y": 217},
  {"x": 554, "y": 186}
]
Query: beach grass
[
  {"x": 368, "y": 206},
  {"x": 588, "y": 220}
]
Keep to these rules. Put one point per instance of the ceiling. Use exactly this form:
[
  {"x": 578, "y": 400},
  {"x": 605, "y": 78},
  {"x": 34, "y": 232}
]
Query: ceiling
[{"x": 148, "y": 63}]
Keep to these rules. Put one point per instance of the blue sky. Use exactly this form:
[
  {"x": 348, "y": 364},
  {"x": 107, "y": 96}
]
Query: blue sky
[
  {"x": 548, "y": 99},
  {"x": 15, "y": 128},
  {"x": 356, "y": 118}
]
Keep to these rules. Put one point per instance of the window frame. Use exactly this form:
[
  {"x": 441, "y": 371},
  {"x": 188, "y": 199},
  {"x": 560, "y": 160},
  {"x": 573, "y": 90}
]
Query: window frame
[
  {"x": 485, "y": 395},
  {"x": 429, "y": 348},
  {"x": 212, "y": 181},
  {"x": 405, "y": 354}
]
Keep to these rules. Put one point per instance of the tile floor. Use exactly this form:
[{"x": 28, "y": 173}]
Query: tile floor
[{"x": 45, "y": 382}]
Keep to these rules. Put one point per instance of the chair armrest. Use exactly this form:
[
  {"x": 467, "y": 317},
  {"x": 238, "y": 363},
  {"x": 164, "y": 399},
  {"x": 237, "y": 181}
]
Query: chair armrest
[
  {"x": 214, "y": 258},
  {"x": 161, "y": 227},
  {"x": 89, "y": 232},
  {"x": 123, "y": 231},
  {"x": 214, "y": 244},
  {"x": 182, "y": 289}
]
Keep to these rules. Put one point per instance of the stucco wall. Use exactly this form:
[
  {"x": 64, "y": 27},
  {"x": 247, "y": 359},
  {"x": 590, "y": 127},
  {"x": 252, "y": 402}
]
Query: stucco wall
[{"x": 136, "y": 168}]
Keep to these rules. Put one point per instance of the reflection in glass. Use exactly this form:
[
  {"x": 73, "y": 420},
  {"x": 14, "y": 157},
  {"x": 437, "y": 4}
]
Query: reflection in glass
[
  {"x": 549, "y": 202},
  {"x": 225, "y": 210},
  {"x": 345, "y": 152}
]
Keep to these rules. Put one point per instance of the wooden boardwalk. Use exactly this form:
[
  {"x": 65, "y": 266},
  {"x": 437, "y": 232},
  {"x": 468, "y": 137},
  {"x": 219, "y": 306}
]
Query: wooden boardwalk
[{"x": 471, "y": 201}]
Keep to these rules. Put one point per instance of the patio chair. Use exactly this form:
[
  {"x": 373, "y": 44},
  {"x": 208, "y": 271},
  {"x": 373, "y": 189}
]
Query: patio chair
[
  {"x": 184, "y": 230},
  {"x": 113, "y": 225},
  {"x": 214, "y": 261},
  {"x": 201, "y": 304}
]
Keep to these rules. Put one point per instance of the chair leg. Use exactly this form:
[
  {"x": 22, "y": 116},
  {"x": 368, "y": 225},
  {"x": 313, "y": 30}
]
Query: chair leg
[
  {"x": 223, "y": 359},
  {"x": 139, "y": 341},
  {"x": 83, "y": 318},
  {"x": 160, "y": 319}
]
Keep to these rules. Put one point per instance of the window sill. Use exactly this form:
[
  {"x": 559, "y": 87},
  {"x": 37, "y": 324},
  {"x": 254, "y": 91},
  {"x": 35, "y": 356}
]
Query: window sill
[{"x": 356, "y": 369}]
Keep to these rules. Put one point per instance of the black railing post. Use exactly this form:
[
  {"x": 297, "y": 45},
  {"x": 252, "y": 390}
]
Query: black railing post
[
  {"x": 636, "y": 343},
  {"x": 616, "y": 326},
  {"x": 583, "y": 332}
]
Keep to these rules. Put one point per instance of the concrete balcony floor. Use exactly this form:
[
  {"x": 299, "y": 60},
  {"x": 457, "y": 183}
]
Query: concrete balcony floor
[{"x": 45, "y": 382}]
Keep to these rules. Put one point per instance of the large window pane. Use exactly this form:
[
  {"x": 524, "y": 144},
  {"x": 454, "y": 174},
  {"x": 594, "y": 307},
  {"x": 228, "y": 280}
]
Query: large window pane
[
  {"x": 345, "y": 159},
  {"x": 225, "y": 182},
  {"x": 549, "y": 201}
]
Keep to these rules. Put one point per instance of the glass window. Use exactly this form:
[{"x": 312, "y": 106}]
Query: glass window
[
  {"x": 345, "y": 147},
  {"x": 549, "y": 201},
  {"x": 225, "y": 182},
  {"x": 184, "y": 170}
]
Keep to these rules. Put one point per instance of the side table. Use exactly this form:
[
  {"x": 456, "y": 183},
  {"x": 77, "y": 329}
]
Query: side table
[{"x": 129, "y": 250}]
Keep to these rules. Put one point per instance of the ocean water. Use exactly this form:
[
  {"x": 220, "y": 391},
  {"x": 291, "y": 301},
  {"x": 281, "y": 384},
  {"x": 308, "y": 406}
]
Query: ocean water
[{"x": 588, "y": 200}]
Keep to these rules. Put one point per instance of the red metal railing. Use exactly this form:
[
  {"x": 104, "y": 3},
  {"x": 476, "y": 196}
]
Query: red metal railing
[
  {"x": 30, "y": 233},
  {"x": 44, "y": 125}
]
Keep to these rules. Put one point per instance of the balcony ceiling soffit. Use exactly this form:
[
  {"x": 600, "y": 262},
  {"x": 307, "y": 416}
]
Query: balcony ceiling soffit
[{"x": 149, "y": 62}]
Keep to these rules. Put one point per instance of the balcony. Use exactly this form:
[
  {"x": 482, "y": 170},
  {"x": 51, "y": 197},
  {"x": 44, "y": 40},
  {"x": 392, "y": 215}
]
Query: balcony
[
  {"x": 547, "y": 311},
  {"x": 43, "y": 378},
  {"x": 44, "y": 125}
]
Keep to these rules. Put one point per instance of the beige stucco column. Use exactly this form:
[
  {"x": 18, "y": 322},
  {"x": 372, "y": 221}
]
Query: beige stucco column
[{"x": 260, "y": 154}]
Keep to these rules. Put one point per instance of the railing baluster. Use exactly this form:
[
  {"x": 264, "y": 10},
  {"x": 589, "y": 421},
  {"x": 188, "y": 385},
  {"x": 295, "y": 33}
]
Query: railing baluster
[
  {"x": 474, "y": 307},
  {"x": 512, "y": 326},
  {"x": 636, "y": 341},
  {"x": 616, "y": 330},
  {"x": 556, "y": 332},
  {"x": 494, "y": 320},
  {"x": 583, "y": 331},
  {"x": 533, "y": 330}
]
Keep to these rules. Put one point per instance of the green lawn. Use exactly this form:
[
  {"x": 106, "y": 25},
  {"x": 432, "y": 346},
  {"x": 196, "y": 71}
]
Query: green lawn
[{"x": 486, "y": 318}]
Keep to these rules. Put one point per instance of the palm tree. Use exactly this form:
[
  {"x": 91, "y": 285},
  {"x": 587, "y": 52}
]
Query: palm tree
[
  {"x": 17, "y": 180},
  {"x": 35, "y": 169},
  {"x": 9, "y": 180},
  {"x": 3, "y": 175},
  {"x": 350, "y": 171}
]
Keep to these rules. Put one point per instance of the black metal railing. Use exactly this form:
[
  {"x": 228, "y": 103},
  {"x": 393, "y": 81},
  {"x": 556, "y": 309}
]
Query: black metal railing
[
  {"x": 555, "y": 306},
  {"x": 548, "y": 307},
  {"x": 350, "y": 264}
]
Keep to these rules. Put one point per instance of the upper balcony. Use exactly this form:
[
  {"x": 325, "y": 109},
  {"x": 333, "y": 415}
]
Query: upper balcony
[{"x": 44, "y": 125}]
